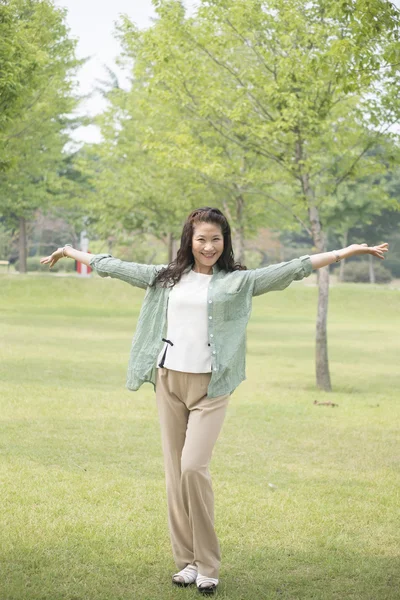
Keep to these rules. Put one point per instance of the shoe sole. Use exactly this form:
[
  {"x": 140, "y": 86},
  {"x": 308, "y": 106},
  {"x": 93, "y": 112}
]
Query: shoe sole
[
  {"x": 182, "y": 584},
  {"x": 207, "y": 590}
]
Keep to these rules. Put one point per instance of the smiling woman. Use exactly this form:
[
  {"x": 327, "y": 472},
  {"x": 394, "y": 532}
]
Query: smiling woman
[{"x": 190, "y": 343}]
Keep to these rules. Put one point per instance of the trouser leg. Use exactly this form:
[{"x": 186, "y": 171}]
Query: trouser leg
[
  {"x": 173, "y": 416},
  {"x": 190, "y": 425},
  {"x": 206, "y": 418}
]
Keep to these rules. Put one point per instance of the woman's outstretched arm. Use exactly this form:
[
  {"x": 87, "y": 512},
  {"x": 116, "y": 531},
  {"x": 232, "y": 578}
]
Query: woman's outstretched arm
[
  {"x": 279, "y": 276},
  {"x": 327, "y": 258},
  {"x": 136, "y": 274}
]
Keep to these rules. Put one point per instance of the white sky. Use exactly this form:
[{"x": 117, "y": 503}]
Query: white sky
[{"x": 92, "y": 23}]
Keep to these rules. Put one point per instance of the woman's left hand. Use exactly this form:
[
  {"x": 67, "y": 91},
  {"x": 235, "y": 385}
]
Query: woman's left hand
[{"x": 374, "y": 250}]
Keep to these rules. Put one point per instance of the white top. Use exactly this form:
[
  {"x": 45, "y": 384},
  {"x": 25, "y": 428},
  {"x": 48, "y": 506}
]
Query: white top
[{"x": 187, "y": 325}]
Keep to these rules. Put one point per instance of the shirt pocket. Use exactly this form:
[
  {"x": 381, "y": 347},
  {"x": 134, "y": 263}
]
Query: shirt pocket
[{"x": 234, "y": 304}]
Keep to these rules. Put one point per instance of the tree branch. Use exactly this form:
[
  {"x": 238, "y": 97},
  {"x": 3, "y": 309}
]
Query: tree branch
[
  {"x": 358, "y": 158},
  {"x": 259, "y": 192},
  {"x": 262, "y": 61},
  {"x": 232, "y": 72}
]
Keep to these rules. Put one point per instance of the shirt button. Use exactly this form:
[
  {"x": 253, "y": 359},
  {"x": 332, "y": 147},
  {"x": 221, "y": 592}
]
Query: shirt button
[
  {"x": 215, "y": 369},
  {"x": 210, "y": 302},
  {"x": 211, "y": 335},
  {"x": 213, "y": 351},
  {"x": 210, "y": 317}
]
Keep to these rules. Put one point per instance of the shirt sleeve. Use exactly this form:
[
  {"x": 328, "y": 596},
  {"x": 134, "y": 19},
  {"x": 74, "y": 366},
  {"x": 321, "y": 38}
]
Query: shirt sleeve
[
  {"x": 138, "y": 275},
  {"x": 279, "y": 276}
]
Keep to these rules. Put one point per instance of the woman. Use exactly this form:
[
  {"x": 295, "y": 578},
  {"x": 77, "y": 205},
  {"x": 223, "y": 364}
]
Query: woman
[{"x": 190, "y": 344}]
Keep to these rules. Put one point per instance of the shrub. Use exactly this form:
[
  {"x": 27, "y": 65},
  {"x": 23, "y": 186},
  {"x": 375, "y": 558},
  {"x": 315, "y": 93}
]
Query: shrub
[
  {"x": 33, "y": 265},
  {"x": 393, "y": 265},
  {"x": 358, "y": 272},
  {"x": 65, "y": 265}
]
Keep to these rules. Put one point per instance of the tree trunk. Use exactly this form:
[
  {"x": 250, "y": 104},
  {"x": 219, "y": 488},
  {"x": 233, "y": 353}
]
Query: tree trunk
[
  {"x": 239, "y": 253},
  {"x": 342, "y": 262},
  {"x": 174, "y": 248},
  {"x": 110, "y": 244},
  {"x": 171, "y": 248},
  {"x": 321, "y": 348},
  {"x": 321, "y": 354},
  {"x": 371, "y": 269},
  {"x": 237, "y": 228},
  {"x": 22, "y": 245},
  {"x": 321, "y": 345}
]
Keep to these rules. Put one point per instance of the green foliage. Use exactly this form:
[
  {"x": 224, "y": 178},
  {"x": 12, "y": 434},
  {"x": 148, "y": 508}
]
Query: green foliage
[
  {"x": 393, "y": 265},
  {"x": 358, "y": 272},
  {"x": 38, "y": 56},
  {"x": 377, "y": 226},
  {"x": 39, "y": 100},
  {"x": 142, "y": 248},
  {"x": 22, "y": 32},
  {"x": 277, "y": 102}
]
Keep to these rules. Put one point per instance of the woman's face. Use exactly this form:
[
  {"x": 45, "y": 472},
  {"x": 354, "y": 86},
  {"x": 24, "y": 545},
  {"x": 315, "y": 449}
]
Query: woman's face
[{"x": 207, "y": 244}]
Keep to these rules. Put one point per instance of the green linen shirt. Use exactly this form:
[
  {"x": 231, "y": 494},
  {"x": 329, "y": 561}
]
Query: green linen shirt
[{"x": 229, "y": 303}]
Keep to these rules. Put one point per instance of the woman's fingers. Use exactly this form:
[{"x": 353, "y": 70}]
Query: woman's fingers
[
  {"x": 380, "y": 254},
  {"x": 383, "y": 248},
  {"x": 49, "y": 259},
  {"x": 379, "y": 250}
]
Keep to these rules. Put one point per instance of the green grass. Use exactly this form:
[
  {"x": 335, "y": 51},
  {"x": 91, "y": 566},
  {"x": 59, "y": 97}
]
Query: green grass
[{"x": 83, "y": 503}]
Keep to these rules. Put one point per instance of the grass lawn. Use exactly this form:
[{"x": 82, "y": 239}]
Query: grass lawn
[{"x": 307, "y": 497}]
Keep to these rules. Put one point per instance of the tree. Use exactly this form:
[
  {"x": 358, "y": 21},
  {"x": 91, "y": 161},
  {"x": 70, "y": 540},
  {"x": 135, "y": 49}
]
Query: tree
[{"x": 34, "y": 133}]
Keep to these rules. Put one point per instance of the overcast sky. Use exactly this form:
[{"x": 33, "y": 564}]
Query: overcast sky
[{"x": 92, "y": 23}]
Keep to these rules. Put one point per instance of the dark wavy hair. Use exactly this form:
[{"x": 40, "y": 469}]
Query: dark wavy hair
[{"x": 173, "y": 272}]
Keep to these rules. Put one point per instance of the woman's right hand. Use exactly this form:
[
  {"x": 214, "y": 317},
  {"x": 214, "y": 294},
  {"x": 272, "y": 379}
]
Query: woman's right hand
[{"x": 53, "y": 258}]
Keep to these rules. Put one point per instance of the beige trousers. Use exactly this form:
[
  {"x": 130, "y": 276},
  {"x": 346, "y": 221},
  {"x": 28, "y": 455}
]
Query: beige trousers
[{"x": 190, "y": 424}]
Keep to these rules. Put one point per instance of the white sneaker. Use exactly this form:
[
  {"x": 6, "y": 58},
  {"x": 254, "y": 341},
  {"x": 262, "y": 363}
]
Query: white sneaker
[{"x": 186, "y": 576}]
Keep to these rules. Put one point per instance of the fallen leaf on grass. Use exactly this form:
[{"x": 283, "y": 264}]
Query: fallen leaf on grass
[{"x": 329, "y": 403}]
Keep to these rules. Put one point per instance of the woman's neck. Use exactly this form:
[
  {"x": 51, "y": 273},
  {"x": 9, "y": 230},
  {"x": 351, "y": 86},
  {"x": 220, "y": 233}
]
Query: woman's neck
[{"x": 204, "y": 270}]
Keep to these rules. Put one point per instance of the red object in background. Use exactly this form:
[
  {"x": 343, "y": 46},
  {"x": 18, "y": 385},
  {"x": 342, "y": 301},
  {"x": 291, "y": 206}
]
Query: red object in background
[{"x": 81, "y": 268}]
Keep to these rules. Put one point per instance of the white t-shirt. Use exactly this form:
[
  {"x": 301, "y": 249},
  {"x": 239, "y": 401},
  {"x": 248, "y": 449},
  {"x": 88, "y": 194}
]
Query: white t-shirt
[{"x": 187, "y": 326}]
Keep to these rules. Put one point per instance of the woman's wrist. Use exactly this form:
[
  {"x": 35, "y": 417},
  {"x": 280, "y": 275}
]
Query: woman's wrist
[
  {"x": 330, "y": 257},
  {"x": 65, "y": 250},
  {"x": 344, "y": 253}
]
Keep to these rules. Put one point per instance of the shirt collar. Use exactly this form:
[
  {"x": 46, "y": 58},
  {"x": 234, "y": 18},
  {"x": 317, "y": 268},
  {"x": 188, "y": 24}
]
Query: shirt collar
[{"x": 215, "y": 268}]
